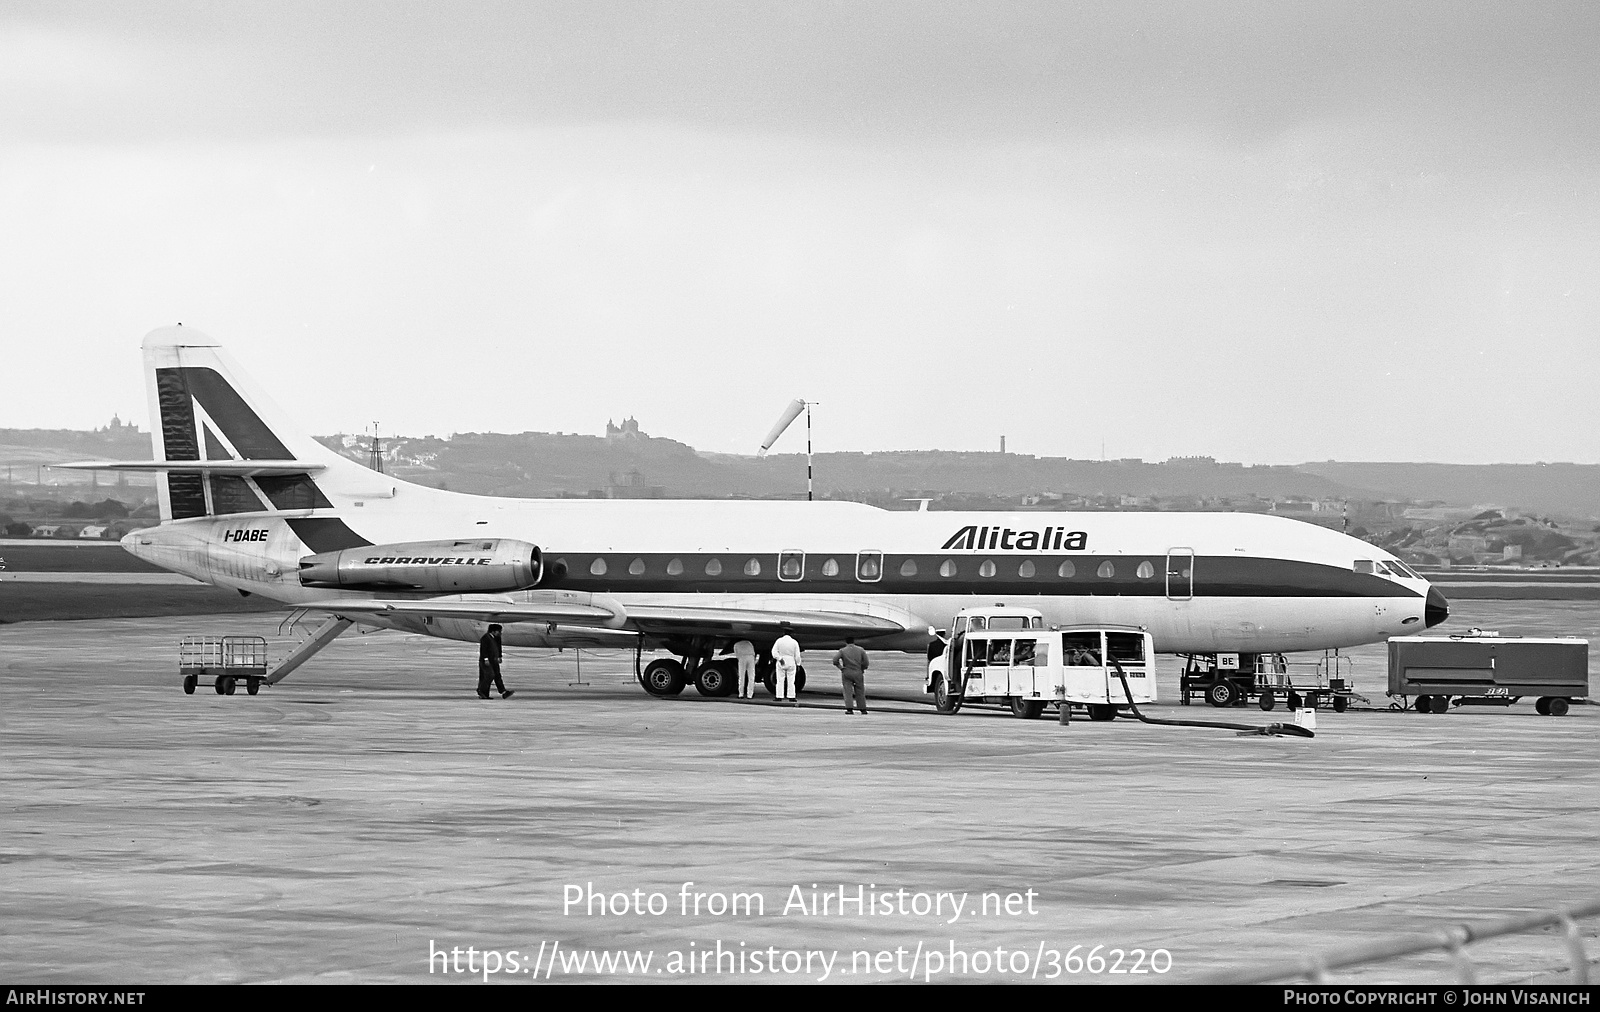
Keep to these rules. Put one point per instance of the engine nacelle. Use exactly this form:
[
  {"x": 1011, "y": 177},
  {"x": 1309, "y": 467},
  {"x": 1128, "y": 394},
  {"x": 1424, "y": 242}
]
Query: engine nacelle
[{"x": 485, "y": 565}]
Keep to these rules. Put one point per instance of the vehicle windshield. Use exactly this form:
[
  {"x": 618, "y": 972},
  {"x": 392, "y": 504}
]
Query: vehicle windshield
[{"x": 1008, "y": 622}]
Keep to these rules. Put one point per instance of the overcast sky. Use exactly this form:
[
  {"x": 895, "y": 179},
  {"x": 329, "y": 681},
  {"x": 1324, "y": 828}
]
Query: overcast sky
[{"x": 1269, "y": 232}]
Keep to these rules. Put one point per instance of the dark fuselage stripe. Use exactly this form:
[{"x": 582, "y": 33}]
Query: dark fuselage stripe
[{"x": 1129, "y": 576}]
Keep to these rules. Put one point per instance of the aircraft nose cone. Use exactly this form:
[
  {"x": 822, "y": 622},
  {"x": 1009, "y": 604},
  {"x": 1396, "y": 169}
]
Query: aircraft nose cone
[{"x": 1437, "y": 608}]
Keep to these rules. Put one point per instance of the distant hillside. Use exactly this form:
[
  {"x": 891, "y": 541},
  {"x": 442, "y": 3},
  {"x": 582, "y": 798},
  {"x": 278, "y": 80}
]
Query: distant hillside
[
  {"x": 632, "y": 463},
  {"x": 1564, "y": 489}
]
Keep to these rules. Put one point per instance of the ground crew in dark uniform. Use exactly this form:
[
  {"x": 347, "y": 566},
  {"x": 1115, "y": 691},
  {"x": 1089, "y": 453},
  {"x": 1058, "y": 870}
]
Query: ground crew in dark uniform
[
  {"x": 489, "y": 665},
  {"x": 851, "y": 661}
]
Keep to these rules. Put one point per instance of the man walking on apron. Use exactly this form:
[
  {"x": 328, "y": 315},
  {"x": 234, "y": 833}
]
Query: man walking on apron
[
  {"x": 851, "y": 661},
  {"x": 786, "y": 656},
  {"x": 489, "y": 665}
]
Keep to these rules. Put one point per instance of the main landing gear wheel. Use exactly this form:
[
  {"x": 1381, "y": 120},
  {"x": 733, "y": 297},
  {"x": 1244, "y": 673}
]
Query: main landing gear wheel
[
  {"x": 716, "y": 678},
  {"x": 1105, "y": 711},
  {"x": 1220, "y": 693},
  {"x": 190, "y": 681},
  {"x": 663, "y": 677},
  {"x": 1267, "y": 701},
  {"x": 1439, "y": 704},
  {"x": 1027, "y": 709}
]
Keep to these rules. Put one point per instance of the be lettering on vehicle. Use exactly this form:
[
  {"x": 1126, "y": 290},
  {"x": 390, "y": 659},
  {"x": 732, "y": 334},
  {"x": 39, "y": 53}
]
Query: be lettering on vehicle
[
  {"x": 987, "y": 539},
  {"x": 249, "y": 534}
]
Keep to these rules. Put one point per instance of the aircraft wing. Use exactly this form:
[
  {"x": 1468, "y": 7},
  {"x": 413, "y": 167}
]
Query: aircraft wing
[
  {"x": 579, "y": 609},
  {"x": 559, "y": 607},
  {"x": 662, "y": 619}
]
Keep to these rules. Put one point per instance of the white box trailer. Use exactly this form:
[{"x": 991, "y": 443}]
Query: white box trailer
[{"x": 1007, "y": 656}]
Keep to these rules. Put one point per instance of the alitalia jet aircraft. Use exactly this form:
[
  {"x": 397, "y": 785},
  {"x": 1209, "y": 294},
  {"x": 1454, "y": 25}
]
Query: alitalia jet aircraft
[{"x": 249, "y": 502}]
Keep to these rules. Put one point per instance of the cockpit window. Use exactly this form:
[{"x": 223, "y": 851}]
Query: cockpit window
[{"x": 1365, "y": 566}]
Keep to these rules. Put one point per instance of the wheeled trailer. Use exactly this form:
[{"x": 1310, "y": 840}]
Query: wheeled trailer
[
  {"x": 225, "y": 660},
  {"x": 1237, "y": 679},
  {"x": 1429, "y": 674}
]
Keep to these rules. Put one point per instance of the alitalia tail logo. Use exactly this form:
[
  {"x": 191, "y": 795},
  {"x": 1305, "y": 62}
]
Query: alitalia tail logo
[{"x": 1051, "y": 539}]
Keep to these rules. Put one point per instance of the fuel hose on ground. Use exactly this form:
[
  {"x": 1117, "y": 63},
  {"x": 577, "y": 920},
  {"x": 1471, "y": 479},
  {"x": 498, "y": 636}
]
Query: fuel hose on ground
[{"x": 1293, "y": 730}]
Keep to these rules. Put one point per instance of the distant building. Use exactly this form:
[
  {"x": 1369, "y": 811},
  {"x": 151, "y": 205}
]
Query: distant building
[
  {"x": 1193, "y": 461},
  {"x": 631, "y": 485},
  {"x": 629, "y": 430},
  {"x": 93, "y": 531},
  {"x": 1511, "y": 552}
]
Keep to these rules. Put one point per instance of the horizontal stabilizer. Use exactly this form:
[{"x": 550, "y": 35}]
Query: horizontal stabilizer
[{"x": 241, "y": 468}]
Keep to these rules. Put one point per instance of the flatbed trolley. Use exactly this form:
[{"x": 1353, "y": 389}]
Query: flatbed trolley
[
  {"x": 226, "y": 660},
  {"x": 1236, "y": 679}
]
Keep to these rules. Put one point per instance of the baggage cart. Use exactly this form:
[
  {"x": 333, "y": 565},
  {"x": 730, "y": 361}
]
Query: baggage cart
[{"x": 225, "y": 660}]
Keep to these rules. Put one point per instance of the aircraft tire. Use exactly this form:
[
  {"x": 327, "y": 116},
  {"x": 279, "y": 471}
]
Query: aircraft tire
[
  {"x": 1221, "y": 693},
  {"x": 799, "y": 679},
  {"x": 715, "y": 678},
  {"x": 190, "y": 681},
  {"x": 1267, "y": 701},
  {"x": 663, "y": 677},
  {"x": 1027, "y": 709}
]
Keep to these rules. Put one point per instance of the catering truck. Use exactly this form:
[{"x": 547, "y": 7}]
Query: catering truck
[{"x": 1007, "y": 656}]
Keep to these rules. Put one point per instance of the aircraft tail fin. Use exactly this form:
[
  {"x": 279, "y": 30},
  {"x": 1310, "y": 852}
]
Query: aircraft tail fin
[{"x": 248, "y": 457}]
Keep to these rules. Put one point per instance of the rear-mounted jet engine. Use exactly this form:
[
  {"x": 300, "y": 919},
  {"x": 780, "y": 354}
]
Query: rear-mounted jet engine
[{"x": 450, "y": 567}]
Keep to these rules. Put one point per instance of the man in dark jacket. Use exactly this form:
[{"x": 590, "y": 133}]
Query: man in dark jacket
[
  {"x": 489, "y": 665},
  {"x": 851, "y": 661}
]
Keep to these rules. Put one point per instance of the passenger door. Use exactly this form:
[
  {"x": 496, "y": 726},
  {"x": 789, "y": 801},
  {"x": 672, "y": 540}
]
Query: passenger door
[
  {"x": 1180, "y": 574},
  {"x": 1024, "y": 655}
]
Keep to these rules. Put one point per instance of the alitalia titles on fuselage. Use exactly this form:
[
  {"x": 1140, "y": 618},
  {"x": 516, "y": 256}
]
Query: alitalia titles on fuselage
[{"x": 985, "y": 539}]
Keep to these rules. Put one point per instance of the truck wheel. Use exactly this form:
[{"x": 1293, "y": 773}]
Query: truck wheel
[
  {"x": 1341, "y": 704},
  {"x": 1423, "y": 704},
  {"x": 1219, "y": 694},
  {"x": 1557, "y": 707},
  {"x": 1102, "y": 711},
  {"x": 1267, "y": 701},
  {"x": 228, "y": 686},
  {"x": 252, "y": 685},
  {"x": 1542, "y": 707},
  {"x": 1439, "y": 704},
  {"x": 663, "y": 677},
  {"x": 190, "y": 681},
  {"x": 943, "y": 700},
  {"x": 1027, "y": 709},
  {"x": 218, "y": 685}
]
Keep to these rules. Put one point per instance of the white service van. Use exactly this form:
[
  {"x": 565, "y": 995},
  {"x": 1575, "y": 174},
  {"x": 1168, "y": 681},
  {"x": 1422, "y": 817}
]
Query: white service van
[{"x": 1006, "y": 655}]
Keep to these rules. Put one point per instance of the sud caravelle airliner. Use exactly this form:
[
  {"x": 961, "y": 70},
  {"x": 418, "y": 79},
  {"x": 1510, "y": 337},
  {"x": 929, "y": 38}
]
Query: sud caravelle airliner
[{"x": 250, "y": 503}]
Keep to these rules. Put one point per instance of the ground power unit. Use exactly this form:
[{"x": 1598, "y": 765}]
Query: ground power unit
[{"x": 1434, "y": 672}]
